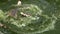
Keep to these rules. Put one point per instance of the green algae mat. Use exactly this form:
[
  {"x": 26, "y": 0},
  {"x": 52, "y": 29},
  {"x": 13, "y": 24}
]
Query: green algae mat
[{"x": 32, "y": 17}]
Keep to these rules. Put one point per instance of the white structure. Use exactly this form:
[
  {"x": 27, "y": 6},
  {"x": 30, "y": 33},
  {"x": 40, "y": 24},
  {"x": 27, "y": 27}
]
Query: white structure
[{"x": 19, "y": 3}]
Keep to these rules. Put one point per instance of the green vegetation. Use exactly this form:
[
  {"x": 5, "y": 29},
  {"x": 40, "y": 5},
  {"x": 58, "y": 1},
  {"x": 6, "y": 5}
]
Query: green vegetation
[{"x": 42, "y": 16}]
